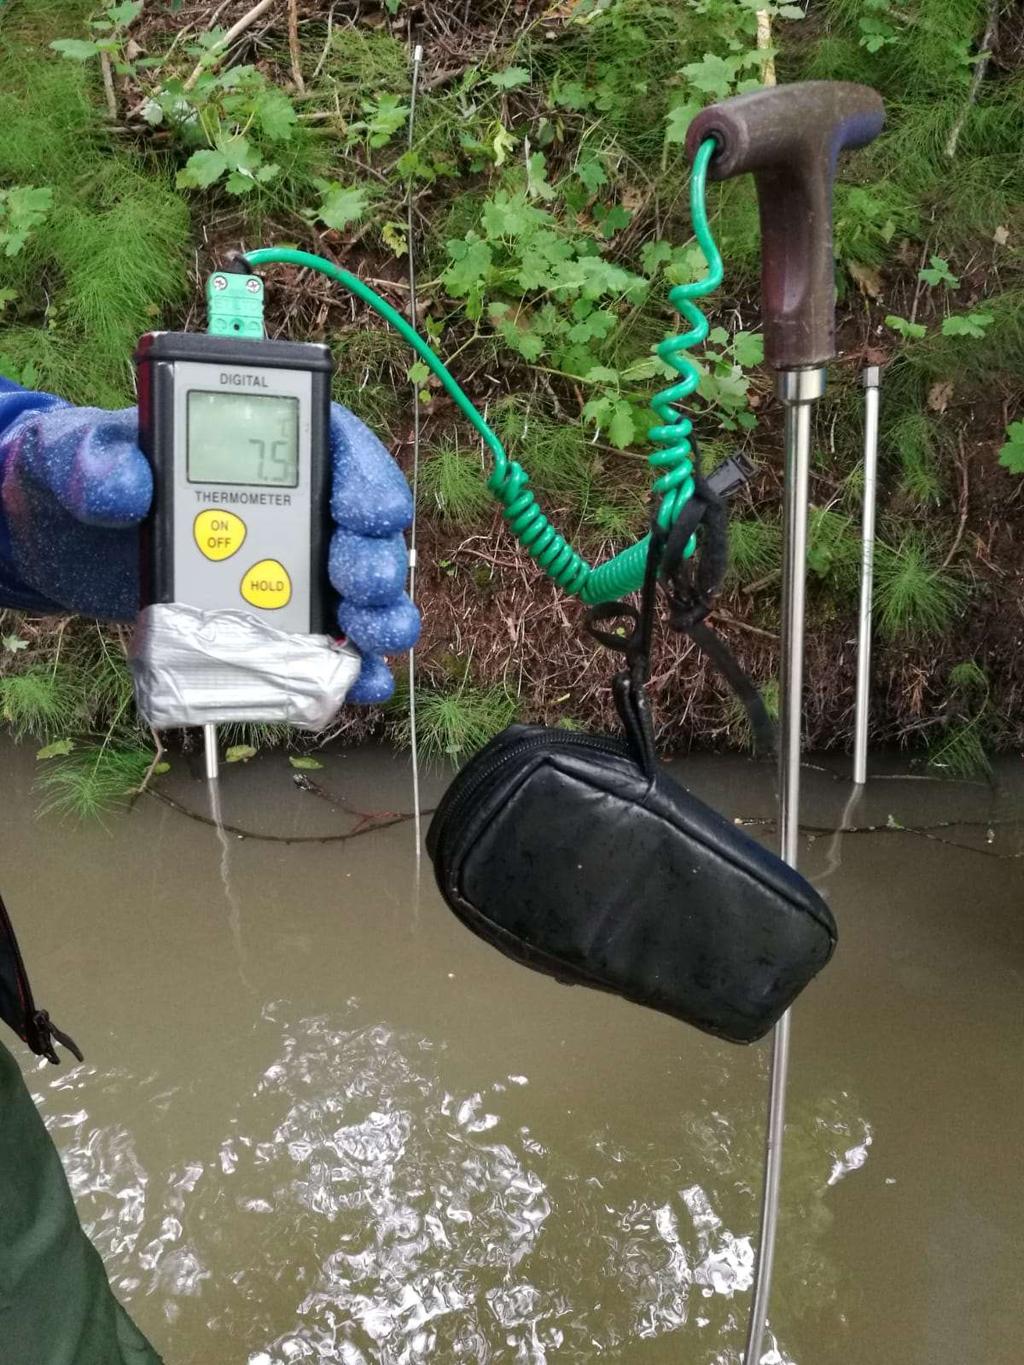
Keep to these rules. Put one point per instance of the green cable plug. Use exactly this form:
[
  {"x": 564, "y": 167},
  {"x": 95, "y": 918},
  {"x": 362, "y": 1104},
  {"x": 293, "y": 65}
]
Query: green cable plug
[
  {"x": 509, "y": 481},
  {"x": 234, "y": 304}
]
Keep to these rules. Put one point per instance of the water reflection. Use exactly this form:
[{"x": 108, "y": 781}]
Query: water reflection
[{"x": 357, "y": 1210}]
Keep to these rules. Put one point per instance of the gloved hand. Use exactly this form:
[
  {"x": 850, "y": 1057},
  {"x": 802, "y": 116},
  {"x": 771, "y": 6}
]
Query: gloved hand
[{"x": 74, "y": 487}]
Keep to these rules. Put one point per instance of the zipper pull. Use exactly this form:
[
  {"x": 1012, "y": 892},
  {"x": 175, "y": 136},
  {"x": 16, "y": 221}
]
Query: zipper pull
[{"x": 46, "y": 1030}]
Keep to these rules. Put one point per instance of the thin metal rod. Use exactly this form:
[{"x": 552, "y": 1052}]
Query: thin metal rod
[
  {"x": 798, "y": 390},
  {"x": 417, "y": 58},
  {"x": 871, "y": 380},
  {"x": 210, "y": 752}
]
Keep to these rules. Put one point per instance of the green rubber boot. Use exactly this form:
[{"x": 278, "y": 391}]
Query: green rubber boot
[{"x": 56, "y": 1305}]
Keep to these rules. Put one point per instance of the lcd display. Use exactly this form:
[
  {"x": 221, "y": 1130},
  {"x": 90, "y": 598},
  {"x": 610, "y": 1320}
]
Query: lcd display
[{"x": 243, "y": 438}]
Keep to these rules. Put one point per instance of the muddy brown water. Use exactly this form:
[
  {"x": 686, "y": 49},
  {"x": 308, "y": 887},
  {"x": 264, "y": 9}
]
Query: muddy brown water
[{"x": 320, "y": 1122}]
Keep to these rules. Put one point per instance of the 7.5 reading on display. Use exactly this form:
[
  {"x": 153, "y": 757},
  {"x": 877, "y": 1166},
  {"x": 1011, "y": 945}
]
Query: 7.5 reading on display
[{"x": 243, "y": 438}]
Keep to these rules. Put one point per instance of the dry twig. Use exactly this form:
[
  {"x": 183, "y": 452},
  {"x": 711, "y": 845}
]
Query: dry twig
[{"x": 235, "y": 31}]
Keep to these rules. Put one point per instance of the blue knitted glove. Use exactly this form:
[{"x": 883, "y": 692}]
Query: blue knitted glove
[{"x": 74, "y": 487}]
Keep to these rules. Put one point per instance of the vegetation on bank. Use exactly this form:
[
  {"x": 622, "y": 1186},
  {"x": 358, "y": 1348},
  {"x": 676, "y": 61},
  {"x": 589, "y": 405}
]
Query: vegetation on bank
[{"x": 549, "y": 207}]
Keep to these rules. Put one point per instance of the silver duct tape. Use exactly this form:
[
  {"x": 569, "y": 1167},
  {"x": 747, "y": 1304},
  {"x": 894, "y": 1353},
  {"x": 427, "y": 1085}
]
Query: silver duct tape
[{"x": 194, "y": 667}]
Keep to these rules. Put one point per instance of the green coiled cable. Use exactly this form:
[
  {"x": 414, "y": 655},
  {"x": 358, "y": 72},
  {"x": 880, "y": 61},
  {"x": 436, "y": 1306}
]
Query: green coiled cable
[{"x": 509, "y": 482}]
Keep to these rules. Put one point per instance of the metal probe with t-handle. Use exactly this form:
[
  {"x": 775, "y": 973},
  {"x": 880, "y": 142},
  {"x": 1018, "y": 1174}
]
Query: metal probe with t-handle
[{"x": 789, "y": 138}]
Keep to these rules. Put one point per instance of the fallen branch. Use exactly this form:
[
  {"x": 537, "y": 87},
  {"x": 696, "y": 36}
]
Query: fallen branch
[
  {"x": 764, "y": 42},
  {"x": 293, "y": 45},
  {"x": 108, "y": 86},
  {"x": 235, "y": 31},
  {"x": 981, "y": 66}
]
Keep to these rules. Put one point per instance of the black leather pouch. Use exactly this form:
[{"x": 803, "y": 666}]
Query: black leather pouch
[{"x": 579, "y": 856}]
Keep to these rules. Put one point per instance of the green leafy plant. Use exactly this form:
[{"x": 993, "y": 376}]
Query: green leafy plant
[
  {"x": 1011, "y": 454},
  {"x": 938, "y": 272},
  {"x": 22, "y": 208},
  {"x": 967, "y": 325},
  {"x": 911, "y": 330},
  {"x": 111, "y": 32}
]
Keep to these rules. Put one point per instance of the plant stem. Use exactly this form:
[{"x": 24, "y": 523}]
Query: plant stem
[{"x": 981, "y": 66}]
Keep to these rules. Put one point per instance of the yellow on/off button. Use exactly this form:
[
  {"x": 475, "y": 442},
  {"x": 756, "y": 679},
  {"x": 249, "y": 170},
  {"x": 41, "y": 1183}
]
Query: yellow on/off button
[
  {"x": 218, "y": 534},
  {"x": 267, "y": 585}
]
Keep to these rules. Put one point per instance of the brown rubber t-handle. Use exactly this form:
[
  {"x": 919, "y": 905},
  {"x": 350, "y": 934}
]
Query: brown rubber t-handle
[{"x": 789, "y": 137}]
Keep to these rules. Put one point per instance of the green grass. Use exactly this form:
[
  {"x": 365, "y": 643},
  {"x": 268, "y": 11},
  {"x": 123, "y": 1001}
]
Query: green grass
[
  {"x": 453, "y": 725},
  {"x": 556, "y": 452},
  {"x": 110, "y": 258},
  {"x": 43, "y": 702},
  {"x": 915, "y": 598},
  {"x": 738, "y": 722},
  {"x": 93, "y": 782},
  {"x": 452, "y": 485},
  {"x": 917, "y": 444},
  {"x": 755, "y": 549}
]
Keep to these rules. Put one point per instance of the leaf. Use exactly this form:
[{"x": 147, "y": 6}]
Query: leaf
[
  {"x": 125, "y": 13},
  {"x": 510, "y": 77},
  {"x": 395, "y": 234},
  {"x": 938, "y": 273},
  {"x": 867, "y": 280},
  {"x": 601, "y": 374},
  {"x": 748, "y": 348},
  {"x": 78, "y": 49},
  {"x": 591, "y": 174},
  {"x": 471, "y": 260},
  {"x": 914, "y": 330},
  {"x": 612, "y": 219},
  {"x": 276, "y": 114},
  {"x": 939, "y": 395},
  {"x": 202, "y": 169},
  {"x": 967, "y": 325},
  {"x": 622, "y": 428},
  {"x": 571, "y": 95},
  {"x": 537, "y": 183},
  {"x": 502, "y": 143},
  {"x": 713, "y": 75},
  {"x": 304, "y": 762},
  {"x": 653, "y": 256},
  {"x": 678, "y": 120},
  {"x": 239, "y": 183},
  {"x": 13, "y": 643},
  {"x": 60, "y": 748},
  {"x": 1001, "y": 236},
  {"x": 341, "y": 204},
  {"x": 1011, "y": 455},
  {"x": 160, "y": 769},
  {"x": 418, "y": 373},
  {"x": 239, "y": 753},
  {"x": 239, "y": 153}
]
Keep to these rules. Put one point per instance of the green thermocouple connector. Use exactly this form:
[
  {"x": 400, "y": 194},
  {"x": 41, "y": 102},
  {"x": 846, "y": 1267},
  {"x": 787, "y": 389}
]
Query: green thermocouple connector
[{"x": 234, "y": 304}]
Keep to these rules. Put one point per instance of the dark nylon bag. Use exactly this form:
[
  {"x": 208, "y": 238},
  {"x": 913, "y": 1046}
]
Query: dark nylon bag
[{"x": 579, "y": 856}]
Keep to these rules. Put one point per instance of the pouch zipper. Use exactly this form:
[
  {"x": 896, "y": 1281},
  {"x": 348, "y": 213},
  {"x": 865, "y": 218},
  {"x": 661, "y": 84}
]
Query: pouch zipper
[
  {"x": 448, "y": 809},
  {"x": 37, "y": 1021}
]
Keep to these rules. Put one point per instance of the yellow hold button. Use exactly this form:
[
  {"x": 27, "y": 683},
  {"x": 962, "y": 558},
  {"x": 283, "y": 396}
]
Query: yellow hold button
[
  {"x": 267, "y": 585},
  {"x": 218, "y": 534}
]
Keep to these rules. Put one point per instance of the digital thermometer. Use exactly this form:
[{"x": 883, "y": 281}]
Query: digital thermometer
[{"x": 236, "y": 430}]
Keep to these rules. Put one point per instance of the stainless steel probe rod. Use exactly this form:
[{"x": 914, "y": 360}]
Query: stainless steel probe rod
[
  {"x": 871, "y": 381},
  {"x": 789, "y": 138}
]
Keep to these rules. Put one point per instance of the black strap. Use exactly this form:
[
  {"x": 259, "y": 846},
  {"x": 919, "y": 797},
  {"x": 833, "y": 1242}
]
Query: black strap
[{"x": 689, "y": 584}]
